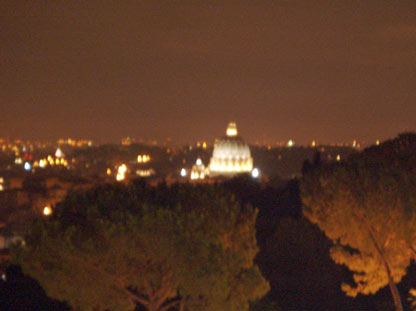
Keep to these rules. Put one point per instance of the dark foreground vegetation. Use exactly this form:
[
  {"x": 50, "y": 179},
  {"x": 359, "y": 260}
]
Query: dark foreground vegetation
[{"x": 197, "y": 246}]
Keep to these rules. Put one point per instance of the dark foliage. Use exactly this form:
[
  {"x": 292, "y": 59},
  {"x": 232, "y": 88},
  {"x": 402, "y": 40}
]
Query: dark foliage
[{"x": 19, "y": 292}]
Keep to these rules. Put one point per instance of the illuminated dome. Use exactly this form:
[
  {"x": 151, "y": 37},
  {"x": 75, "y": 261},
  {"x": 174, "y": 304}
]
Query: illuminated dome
[{"x": 231, "y": 154}]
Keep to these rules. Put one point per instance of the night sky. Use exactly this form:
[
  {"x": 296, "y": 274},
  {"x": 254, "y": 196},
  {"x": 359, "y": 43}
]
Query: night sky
[{"x": 326, "y": 70}]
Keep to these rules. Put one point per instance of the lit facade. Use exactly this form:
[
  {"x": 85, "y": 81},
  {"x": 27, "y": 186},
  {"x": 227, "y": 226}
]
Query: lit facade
[
  {"x": 231, "y": 155},
  {"x": 121, "y": 172},
  {"x": 198, "y": 170}
]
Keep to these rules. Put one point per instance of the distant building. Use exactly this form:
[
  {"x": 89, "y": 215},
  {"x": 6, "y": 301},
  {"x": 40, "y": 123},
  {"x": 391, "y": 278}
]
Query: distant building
[
  {"x": 144, "y": 168},
  {"x": 16, "y": 183},
  {"x": 198, "y": 170},
  {"x": 231, "y": 155},
  {"x": 126, "y": 141}
]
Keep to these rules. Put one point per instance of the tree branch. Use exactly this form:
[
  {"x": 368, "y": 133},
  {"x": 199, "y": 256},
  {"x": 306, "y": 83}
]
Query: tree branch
[
  {"x": 170, "y": 304},
  {"x": 134, "y": 297}
]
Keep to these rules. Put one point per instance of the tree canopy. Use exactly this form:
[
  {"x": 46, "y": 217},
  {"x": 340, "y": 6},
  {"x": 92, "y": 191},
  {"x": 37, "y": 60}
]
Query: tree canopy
[
  {"x": 108, "y": 250},
  {"x": 367, "y": 206}
]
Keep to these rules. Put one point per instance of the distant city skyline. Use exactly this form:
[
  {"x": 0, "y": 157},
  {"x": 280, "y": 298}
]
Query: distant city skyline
[
  {"x": 330, "y": 71},
  {"x": 195, "y": 143},
  {"x": 264, "y": 141}
]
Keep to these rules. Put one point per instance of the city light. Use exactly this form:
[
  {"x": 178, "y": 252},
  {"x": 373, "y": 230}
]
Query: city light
[
  {"x": 255, "y": 173},
  {"x": 47, "y": 210},
  {"x": 183, "y": 172},
  {"x": 120, "y": 177},
  {"x": 122, "y": 168},
  {"x": 290, "y": 143},
  {"x": 59, "y": 153},
  {"x": 27, "y": 166}
]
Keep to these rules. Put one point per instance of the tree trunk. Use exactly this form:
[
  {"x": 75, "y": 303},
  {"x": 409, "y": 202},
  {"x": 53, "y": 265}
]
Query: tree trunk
[
  {"x": 393, "y": 288},
  {"x": 395, "y": 293}
]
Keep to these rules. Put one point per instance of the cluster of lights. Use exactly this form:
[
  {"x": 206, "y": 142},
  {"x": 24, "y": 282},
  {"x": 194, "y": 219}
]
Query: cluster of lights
[
  {"x": 51, "y": 161},
  {"x": 26, "y": 159},
  {"x": 201, "y": 173},
  {"x": 1, "y": 183},
  {"x": 121, "y": 172},
  {"x": 230, "y": 166},
  {"x": 143, "y": 158},
  {"x": 196, "y": 175},
  {"x": 198, "y": 170},
  {"x": 74, "y": 142},
  {"x": 145, "y": 173},
  {"x": 16, "y": 146},
  {"x": 58, "y": 160},
  {"x": 15, "y": 149},
  {"x": 203, "y": 145}
]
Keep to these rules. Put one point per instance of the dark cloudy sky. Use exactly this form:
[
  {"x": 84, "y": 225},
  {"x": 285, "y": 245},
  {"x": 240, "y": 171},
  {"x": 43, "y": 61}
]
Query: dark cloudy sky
[{"x": 326, "y": 70}]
